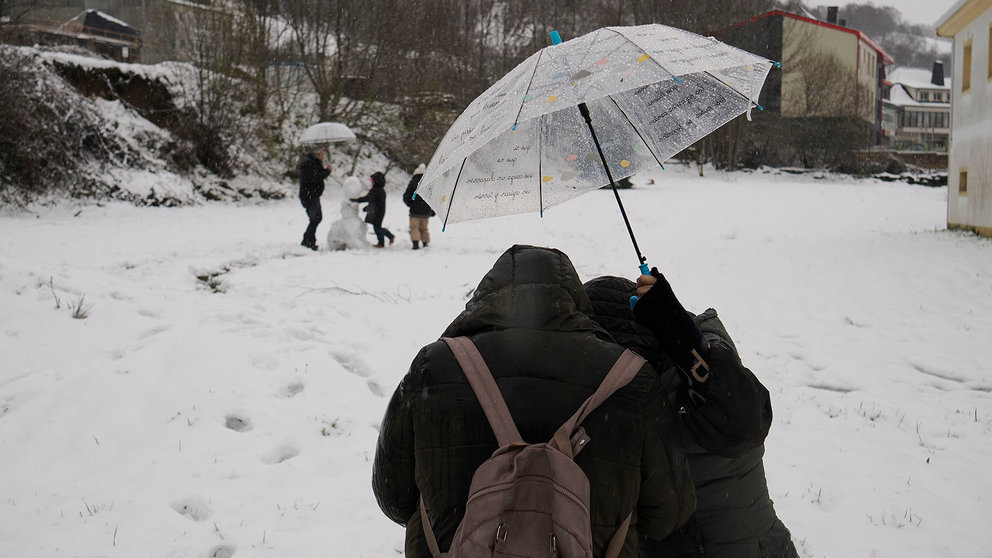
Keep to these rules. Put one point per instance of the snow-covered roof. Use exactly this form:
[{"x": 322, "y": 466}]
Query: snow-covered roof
[
  {"x": 89, "y": 18},
  {"x": 917, "y": 78},
  {"x": 111, "y": 18},
  {"x": 898, "y": 96}
]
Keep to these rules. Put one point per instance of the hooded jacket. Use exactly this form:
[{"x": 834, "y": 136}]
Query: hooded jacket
[
  {"x": 418, "y": 205},
  {"x": 312, "y": 175},
  {"x": 529, "y": 319},
  {"x": 376, "y": 198},
  {"x": 734, "y": 515}
]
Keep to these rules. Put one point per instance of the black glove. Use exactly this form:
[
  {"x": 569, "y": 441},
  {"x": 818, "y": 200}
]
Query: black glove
[{"x": 674, "y": 328}]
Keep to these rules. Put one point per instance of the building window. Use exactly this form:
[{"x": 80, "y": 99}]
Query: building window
[
  {"x": 963, "y": 182},
  {"x": 966, "y": 68}
]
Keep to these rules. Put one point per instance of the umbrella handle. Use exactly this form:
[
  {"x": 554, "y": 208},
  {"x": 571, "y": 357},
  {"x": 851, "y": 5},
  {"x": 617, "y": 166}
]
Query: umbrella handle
[{"x": 645, "y": 270}]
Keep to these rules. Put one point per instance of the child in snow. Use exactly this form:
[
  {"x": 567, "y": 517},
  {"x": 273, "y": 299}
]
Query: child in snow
[{"x": 375, "y": 211}]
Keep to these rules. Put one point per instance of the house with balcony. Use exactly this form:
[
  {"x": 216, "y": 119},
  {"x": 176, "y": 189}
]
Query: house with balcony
[
  {"x": 969, "y": 180},
  {"x": 916, "y": 109}
]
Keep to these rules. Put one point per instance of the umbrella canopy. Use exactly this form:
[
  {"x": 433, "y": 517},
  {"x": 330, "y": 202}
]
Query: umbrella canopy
[
  {"x": 650, "y": 91},
  {"x": 326, "y": 132}
]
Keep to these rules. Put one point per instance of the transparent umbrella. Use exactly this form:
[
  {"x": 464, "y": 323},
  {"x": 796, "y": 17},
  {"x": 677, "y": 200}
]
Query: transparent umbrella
[
  {"x": 326, "y": 132},
  {"x": 578, "y": 115}
]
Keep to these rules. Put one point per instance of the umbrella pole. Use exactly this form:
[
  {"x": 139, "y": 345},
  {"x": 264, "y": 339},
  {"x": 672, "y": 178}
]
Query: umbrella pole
[{"x": 641, "y": 260}]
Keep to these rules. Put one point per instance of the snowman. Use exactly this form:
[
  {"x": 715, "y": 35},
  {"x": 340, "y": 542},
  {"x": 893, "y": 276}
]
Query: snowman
[{"x": 350, "y": 231}]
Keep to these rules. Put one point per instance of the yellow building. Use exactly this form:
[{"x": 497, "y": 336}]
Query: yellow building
[
  {"x": 828, "y": 69},
  {"x": 969, "y": 181}
]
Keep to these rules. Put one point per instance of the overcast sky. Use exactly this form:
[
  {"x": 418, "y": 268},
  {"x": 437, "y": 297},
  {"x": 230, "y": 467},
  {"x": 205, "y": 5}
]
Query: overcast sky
[{"x": 915, "y": 11}]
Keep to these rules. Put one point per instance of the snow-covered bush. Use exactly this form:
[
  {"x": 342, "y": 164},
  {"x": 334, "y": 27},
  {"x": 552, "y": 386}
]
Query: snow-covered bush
[
  {"x": 72, "y": 125},
  {"x": 46, "y": 135}
]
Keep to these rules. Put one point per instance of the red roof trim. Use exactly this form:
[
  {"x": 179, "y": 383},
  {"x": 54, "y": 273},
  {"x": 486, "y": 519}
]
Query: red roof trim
[{"x": 886, "y": 59}]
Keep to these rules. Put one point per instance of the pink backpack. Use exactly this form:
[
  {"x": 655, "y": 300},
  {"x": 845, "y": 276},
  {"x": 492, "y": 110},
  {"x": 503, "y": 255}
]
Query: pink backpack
[{"x": 529, "y": 500}]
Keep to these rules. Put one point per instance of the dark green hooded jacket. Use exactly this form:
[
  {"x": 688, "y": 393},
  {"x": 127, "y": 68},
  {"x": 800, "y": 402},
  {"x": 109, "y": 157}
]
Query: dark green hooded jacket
[
  {"x": 529, "y": 319},
  {"x": 734, "y": 515}
]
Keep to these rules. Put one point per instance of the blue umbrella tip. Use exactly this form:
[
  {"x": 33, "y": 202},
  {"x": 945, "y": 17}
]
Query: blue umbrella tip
[
  {"x": 677, "y": 80},
  {"x": 555, "y": 38}
]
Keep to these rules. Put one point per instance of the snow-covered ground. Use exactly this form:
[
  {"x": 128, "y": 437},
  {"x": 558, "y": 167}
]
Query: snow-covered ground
[{"x": 223, "y": 394}]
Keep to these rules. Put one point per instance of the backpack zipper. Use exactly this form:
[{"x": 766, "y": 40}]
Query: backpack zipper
[{"x": 506, "y": 485}]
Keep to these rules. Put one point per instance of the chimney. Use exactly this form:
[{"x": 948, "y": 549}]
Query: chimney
[
  {"x": 831, "y": 14},
  {"x": 937, "y": 78}
]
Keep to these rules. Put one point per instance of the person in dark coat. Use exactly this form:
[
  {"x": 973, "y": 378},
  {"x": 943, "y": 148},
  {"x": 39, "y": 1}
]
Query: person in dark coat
[
  {"x": 420, "y": 212},
  {"x": 375, "y": 211},
  {"x": 529, "y": 319},
  {"x": 724, "y": 420},
  {"x": 312, "y": 175}
]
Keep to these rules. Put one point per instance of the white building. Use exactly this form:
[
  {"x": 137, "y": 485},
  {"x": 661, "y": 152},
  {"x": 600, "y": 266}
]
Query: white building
[
  {"x": 969, "y": 203},
  {"x": 916, "y": 114}
]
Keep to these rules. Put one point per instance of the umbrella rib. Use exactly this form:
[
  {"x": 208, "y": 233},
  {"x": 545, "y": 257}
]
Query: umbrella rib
[
  {"x": 540, "y": 161},
  {"x": 530, "y": 82},
  {"x": 452, "y": 200},
  {"x": 671, "y": 73},
  {"x": 638, "y": 132},
  {"x": 734, "y": 89}
]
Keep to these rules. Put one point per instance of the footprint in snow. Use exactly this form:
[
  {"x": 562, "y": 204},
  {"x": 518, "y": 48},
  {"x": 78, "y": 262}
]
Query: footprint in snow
[
  {"x": 154, "y": 331},
  {"x": 291, "y": 390},
  {"x": 265, "y": 363},
  {"x": 284, "y": 452},
  {"x": 237, "y": 424},
  {"x": 192, "y": 508},
  {"x": 376, "y": 389},
  {"x": 351, "y": 363},
  {"x": 222, "y": 551}
]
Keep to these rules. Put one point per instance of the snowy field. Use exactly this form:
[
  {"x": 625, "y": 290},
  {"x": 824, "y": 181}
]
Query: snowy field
[{"x": 223, "y": 394}]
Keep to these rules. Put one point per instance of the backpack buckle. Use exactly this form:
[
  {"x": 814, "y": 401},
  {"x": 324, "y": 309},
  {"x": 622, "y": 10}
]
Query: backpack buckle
[
  {"x": 500, "y": 533},
  {"x": 554, "y": 546},
  {"x": 700, "y": 363}
]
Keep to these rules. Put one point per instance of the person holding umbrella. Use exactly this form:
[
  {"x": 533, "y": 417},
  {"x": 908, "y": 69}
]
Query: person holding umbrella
[
  {"x": 375, "y": 211},
  {"x": 725, "y": 413},
  {"x": 313, "y": 171}
]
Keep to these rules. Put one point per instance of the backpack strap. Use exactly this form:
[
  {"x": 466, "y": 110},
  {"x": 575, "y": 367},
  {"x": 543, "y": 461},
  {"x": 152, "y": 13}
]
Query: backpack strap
[
  {"x": 485, "y": 388},
  {"x": 428, "y": 531},
  {"x": 624, "y": 369}
]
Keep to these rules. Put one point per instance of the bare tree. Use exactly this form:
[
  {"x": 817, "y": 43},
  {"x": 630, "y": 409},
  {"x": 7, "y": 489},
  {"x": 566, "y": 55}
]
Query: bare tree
[
  {"x": 834, "y": 111},
  {"x": 257, "y": 29},
  {"x": 12, "y": 14},
  {"x": 211, "y": 84},
  {"x": 343, "y": 45}
]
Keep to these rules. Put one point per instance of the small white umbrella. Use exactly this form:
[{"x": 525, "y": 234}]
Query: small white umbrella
[{"x": 326, "y": 132}]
